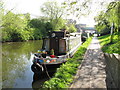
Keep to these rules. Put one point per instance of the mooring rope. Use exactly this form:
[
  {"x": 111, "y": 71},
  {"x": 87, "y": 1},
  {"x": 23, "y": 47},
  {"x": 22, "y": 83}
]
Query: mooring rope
[
  {"x": 47, "y": 71},
  {"x": 40, "y": 66}
]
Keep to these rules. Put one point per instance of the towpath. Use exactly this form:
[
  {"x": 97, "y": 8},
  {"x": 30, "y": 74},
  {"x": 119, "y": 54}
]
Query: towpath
[{"x": 91, "y": 73}]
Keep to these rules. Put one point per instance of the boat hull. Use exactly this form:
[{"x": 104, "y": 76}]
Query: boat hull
[{"x": 45, "y": 68}]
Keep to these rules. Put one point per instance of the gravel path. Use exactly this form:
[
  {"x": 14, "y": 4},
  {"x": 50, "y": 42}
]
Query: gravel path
[{"x": 91, "y": 73}]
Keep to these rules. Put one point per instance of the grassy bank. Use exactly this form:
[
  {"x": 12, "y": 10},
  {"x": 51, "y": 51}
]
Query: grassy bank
[
  {"x": 65, "y": 74},
  {"x": 107, "y": 47}
]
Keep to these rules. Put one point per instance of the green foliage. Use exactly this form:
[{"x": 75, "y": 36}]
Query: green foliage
[
  {"x": 49, "y": 26},
  {"x": 54, "y": 12},
  {"x": 14, "y": 27},
  {"x": 58, "y": 24},
  {"x": 106, "y": 19},
  {"x": 103, "y": 25},
  {"x": 76, "y": 8},
  {"x": 113, "y": 14},
  {"x": 1, "y": 12},
  {"x": 39, "y": 28},
  {"x": 107, "y": 47},
  {"x": 64, "y": 75},
  {"x": 72, "y": 28},
  {"x": 19, "y": 27},
  {"x": 65, "y": 27}
]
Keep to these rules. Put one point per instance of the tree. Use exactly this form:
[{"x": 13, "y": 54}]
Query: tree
[
  {"x": 1, "y": 12},
  {"x": 1, "y": 15},
  {"x": 72, "y": 28},
  {"x": 110, "y": 19},
  {"x": 15, "y": 27},
  {"x": 54, "y": 12},
  {"x": 113, "y": 17},
  {"x": 77, "y": 8},
  {"x": 39, "y": 28},
  {"x": 60, "y": 24},
  {"x": 103, "y": 25}
]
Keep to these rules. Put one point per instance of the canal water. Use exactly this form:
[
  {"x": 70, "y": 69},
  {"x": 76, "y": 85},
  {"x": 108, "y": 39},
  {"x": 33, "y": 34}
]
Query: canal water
[{"x": 16, "y": 65}]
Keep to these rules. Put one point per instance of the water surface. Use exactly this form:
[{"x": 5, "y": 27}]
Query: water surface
[{"x": 16, "y": 63}]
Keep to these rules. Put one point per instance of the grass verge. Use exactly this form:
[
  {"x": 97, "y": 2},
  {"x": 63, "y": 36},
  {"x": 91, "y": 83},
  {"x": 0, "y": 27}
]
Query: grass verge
[
  {"x": 107, "y": 47},
  {"x": 64, "y": 75}
]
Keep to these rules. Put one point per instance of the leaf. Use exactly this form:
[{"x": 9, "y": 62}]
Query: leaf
[
  {"x": 72, "y": 3},
  {"x": 77, "y": 9},
  {"x": 64, "y": 3}
]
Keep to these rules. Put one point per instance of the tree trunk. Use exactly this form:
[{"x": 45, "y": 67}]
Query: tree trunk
[{"x": 111, "y": 36}]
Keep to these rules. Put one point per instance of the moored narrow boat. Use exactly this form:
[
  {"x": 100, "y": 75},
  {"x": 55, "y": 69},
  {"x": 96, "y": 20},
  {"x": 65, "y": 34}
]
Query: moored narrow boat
[{"x": 55, "y": 50}]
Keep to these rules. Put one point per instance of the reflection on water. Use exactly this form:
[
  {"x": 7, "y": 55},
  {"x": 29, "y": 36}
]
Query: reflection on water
[
  {"x": 16, "y": 64},
  {"x": 39, "y": 79}
]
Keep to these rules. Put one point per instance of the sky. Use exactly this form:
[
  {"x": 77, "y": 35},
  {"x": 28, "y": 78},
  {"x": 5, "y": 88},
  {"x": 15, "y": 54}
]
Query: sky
[
  {"x": 33, "y": 7},
  {"x": 24, "y": 6}
]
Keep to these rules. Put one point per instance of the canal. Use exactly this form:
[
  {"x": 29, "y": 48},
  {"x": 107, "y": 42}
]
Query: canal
[{"x": 16, "y": 65}]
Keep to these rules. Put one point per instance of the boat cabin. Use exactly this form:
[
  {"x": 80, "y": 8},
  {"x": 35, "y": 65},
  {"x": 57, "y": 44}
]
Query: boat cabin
[
  {"x": 55, "y": 41},
  {"x": 61, "y": 42}
]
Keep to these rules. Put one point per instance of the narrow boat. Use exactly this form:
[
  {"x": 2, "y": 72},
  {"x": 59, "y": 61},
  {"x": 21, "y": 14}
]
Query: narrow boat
[{"x": 56, "y": 48}]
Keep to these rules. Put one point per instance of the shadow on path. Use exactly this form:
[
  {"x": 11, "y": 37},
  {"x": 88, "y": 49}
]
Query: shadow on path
[{"x": 91, "y": 73}]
